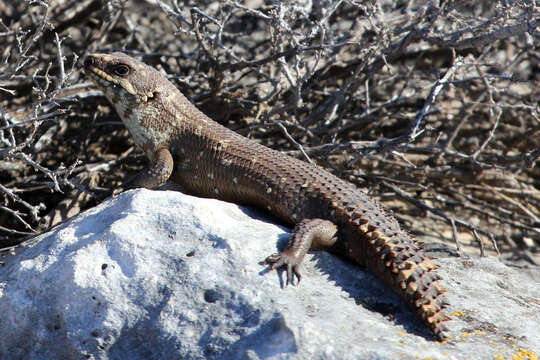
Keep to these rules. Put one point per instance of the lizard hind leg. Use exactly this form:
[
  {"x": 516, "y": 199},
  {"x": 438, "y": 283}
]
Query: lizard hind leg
[{"x": 314, "y": 234}]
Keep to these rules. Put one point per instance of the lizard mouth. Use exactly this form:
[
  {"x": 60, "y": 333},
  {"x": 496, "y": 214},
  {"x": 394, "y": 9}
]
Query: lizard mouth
[
  {"x": 103, "y": 79},
  {"x": 95, "y": 72},
  {"x": 98, "y": 76}
]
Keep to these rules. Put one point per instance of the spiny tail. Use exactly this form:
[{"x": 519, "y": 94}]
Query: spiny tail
[{"x": 403, "y": 265}]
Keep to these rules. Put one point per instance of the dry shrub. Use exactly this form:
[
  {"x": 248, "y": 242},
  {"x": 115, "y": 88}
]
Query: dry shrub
[{"x": 431, "y": 106}]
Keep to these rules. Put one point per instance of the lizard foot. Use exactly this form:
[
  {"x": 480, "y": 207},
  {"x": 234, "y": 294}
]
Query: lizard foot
[{"x": 278, "y": 260}]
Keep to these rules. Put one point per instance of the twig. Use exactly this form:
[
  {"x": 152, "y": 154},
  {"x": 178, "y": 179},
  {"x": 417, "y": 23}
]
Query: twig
[
  {"x": 34, "y": 210},
  {"x": 437, "y": 212},
  {"x": 435, "y": 90},
  {"x": 62, "y": 79},
  {"x": 455, "y": 236},
  {"x": 525, "y": 25},
  {"x": 291, "y": 139},
  {"x": 479, "y": 239}
]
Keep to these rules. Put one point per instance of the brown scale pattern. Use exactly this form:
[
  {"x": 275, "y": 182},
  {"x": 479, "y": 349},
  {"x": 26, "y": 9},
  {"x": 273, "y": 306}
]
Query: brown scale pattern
[{"x": 216, "y": 162}]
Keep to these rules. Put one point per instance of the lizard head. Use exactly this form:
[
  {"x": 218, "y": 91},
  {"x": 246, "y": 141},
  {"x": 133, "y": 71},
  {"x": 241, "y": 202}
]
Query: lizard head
[
  {"x": 122, "y": 78},
  {"x": 143, "y": 97}
]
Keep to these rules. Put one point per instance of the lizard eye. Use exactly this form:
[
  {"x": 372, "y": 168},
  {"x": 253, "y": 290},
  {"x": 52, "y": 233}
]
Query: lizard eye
[{"x": 121, "y": 70}]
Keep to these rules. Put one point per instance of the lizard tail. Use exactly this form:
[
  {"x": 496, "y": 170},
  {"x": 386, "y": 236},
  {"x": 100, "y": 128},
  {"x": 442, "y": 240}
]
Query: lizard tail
[{"x": 404, "y": 265}]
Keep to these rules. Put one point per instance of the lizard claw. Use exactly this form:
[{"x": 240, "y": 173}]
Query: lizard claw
[
  {"x": 278, "y": 260},
  {"x": 117, "y": 192}
]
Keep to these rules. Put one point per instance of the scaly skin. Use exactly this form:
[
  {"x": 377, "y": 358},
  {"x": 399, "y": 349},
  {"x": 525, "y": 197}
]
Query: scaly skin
[{"x": 209, "y": 160}]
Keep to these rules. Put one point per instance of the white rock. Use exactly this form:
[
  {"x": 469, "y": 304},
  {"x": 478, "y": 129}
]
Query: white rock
[{"x": 162, "y": 275}]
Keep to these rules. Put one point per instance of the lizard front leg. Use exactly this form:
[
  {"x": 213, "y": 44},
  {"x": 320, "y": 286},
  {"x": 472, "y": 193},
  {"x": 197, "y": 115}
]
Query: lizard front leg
[
  {"x": 316, "y": 234},
  {"x": 155, "y": 174}
]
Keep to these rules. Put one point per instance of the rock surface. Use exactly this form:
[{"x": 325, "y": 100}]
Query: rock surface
[{"x": 162, "y": 275}]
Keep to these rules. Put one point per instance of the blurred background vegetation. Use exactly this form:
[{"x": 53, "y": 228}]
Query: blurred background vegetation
[{"x": 430, "y": 106}]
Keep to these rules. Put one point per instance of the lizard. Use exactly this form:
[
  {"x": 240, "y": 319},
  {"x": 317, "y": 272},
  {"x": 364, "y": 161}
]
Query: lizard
[{"x": 208, "y": 159}]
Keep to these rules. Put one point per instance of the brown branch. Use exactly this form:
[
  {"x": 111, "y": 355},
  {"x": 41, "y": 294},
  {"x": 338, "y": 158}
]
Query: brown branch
[{"x": 505, "y": 32}]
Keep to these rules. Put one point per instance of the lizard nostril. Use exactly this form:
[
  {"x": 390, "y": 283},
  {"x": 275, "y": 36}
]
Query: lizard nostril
[{"x": 89, "y": 61}]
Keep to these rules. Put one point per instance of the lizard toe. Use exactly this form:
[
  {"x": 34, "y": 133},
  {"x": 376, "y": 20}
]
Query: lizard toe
[{"x": 292, "y": 266}]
